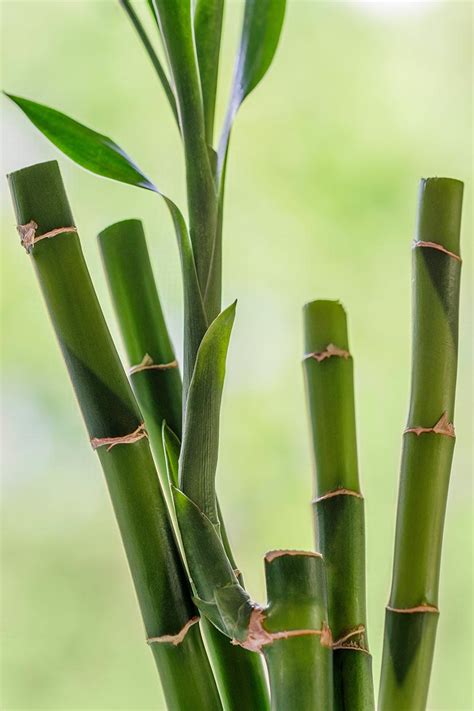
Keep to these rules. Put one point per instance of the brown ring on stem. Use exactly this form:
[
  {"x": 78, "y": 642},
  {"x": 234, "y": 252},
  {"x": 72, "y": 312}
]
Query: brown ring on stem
[
  {"x": 442, "y": 427},
  {"x": 131, "y": 438},
  {"x": 258, "y": 636},
  {"x": 28, "y": 236},
  {"x": 436, "y": 245},
  {"x": 174, "y": 639},
  {"x": 337, "y": 492},
  {"x": 413, "y": 610},
  {"x": 330, "y": 351},
  {"x": 148, "y": 364}
]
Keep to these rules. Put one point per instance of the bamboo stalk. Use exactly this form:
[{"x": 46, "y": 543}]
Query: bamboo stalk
[
  {"x": 177, "y": 30},
  {"x": 428, "y": 444},
  {"x": 115, "y": 427},
  {"x": 239, "y": 673},
  {"x": 298, "y": 652},
  {"x": 154, "y": 372},
  {"x": 338, "y": 504}
]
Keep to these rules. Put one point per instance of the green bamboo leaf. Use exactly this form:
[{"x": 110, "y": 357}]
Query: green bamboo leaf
[
  {"x": 261, "y": 29},
  {"x": 208, "y": 16},
  {"x": 89, "y": 149},
  {"x": 198, "y": 461}
]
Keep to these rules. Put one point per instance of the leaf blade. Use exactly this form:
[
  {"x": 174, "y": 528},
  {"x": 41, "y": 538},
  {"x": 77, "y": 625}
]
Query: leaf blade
[
  {"x": 89, "y": 149},
  {"x": 199, "y": 451}
]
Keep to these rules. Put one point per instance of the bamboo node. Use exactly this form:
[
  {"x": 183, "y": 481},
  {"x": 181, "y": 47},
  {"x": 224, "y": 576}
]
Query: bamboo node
[
  {"x": 347, "y": 641},
  {"x": 258, "y": 636},
  {"x": 131, "y": 438},
  {"x": 174, "y": 639},
  {"x": 337, "y": 492},
  {"x": 330, "y": 351},
  {"x": 148, "y": 364},
  {"x": 413, "y": 610},
  {"x": 28, "y": 236},
  {"x": 437, "y": 246},
  {"x": 271, "y": 555},
  {"x": 442, "y": 427}
]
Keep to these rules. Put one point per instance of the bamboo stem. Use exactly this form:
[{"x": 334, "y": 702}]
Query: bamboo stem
[
  {"x": 154, "y": 373},
  {"x": 298, "y": 654},
  {"x": 111, "y": 413},
  {"x": 428, "y": 444},
  {"x": 178, "y": 35},
  {"x": 338, "y": 504}
]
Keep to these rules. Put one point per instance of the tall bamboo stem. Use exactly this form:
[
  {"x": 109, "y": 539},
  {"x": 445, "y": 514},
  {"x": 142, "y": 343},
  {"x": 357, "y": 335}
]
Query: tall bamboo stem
[
  {"x": 338, "y": 504},
  {"x": 115, "y": 428},
  {"x": 428, "y": 444}
]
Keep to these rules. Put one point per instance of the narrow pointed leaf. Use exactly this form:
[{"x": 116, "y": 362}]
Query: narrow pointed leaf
[
  {"x": 199, "y": 449},
  {"x": 261, "y": 29},
  {"x": 89, "y": 149}
]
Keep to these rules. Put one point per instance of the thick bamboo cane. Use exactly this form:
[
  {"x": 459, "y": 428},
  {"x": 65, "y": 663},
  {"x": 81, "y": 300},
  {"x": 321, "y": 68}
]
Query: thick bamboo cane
[
  {"x": 116, "y": 431},
  {"x": 428, "y": 444}
]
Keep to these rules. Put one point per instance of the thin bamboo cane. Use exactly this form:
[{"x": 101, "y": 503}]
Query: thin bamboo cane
[
  {"x": 338, "y": 504},
  {"x": 428, "y": 445},
  {"x": 239, "y": 673},
  {"x": 115, "y": 427},
  {"x": 298, "y": 653}
]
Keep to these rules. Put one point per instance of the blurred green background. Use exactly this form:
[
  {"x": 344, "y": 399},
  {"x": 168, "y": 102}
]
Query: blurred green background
[{"x": 363, "y": 99}]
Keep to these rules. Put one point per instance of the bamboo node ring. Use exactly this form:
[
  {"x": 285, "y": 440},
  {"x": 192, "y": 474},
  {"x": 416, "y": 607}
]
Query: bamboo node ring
[
  {"x": 28, "y": 236},
  {"x": 442, "y": 427},
  {"x": 438, "y": 247},
  {"x": 329, "y": 352},
  {"x": 131, "y": 438},
  {"x": 174, "y": 639},
  {"x": 147, "y": 363}
]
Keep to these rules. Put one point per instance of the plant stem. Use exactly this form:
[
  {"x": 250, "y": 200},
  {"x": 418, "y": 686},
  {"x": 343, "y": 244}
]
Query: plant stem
[
  {"x": 338, "y": 503},
  {"x": 157, "y": 385},
  {"x": 178, "y": 35},
  {"x": 300, "y": 667},
  {"x": 428, "y": 445},
  {"x": 110, "y": 411}
]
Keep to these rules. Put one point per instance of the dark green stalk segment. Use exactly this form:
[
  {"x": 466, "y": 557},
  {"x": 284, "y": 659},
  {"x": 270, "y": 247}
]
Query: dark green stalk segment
[
  {"x": 427, "y": 455},
  {"x": 110, "y": 410},
  {"x": 299, "y": 667},
  {"x": 339, "y": 517},
  {"x": 143, "y": 328},
  {"x": 239, "y": 673}
]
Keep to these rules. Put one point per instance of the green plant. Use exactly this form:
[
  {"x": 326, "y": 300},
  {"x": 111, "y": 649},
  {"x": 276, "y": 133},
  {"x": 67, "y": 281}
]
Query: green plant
[{"x": 312, "y": 633}]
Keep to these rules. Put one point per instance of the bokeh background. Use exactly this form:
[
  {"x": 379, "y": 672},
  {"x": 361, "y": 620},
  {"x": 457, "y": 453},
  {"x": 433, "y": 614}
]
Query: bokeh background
[{"x": 363, "y": 99}]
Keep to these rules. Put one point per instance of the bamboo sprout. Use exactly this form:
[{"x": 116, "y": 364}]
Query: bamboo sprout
[
  {"x": 298, "y": 653},
  {"x": 338, "y": 503},
  {"x": 115, "y": 428},
  {"x": 428, "y": 444},
  {"x": 239, "y": 673}
]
